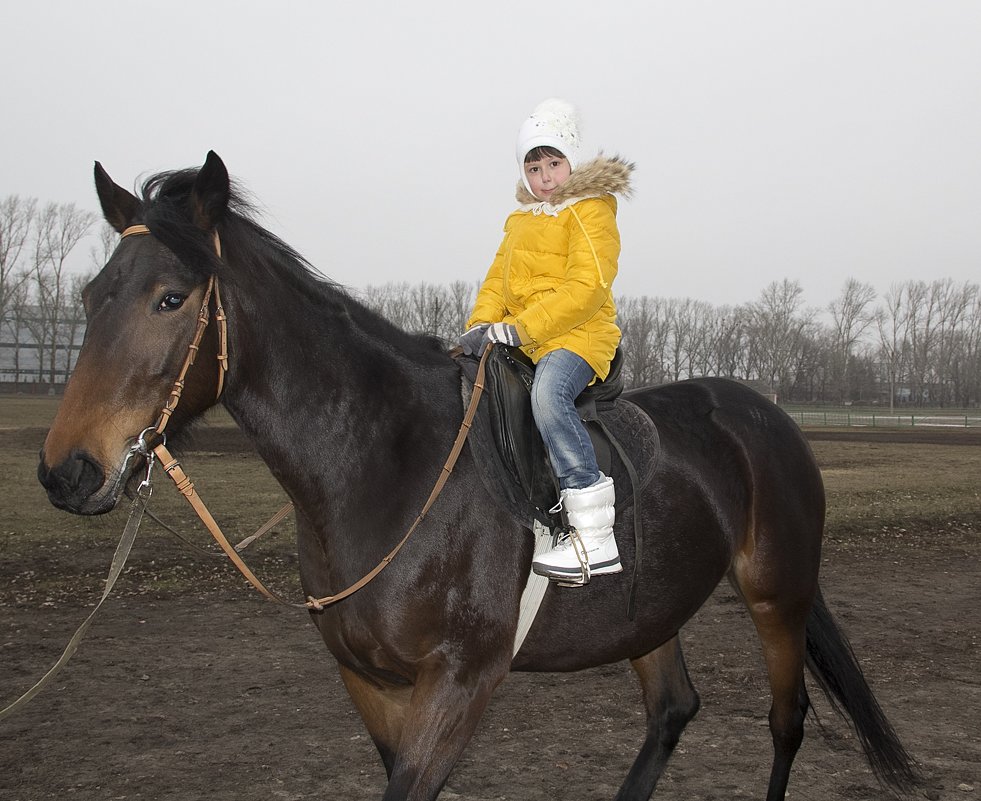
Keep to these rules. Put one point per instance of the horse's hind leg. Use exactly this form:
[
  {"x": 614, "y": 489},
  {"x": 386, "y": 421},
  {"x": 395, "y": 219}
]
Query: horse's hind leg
[
  {"x": 671, "y": 702},
  {"x": 784, "y": 653},
  {"x": 781, "y": 625}
]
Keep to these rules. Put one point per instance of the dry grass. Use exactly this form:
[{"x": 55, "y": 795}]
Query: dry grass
[
  {"x": 876, "y": 491},
  {"x": 897, "y": 487},
  {"x": 37, "y": 411},
  {"x": 24, "y": 411}
]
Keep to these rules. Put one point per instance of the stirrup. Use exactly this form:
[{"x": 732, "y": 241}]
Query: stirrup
[{"x": 580, "y": 551}]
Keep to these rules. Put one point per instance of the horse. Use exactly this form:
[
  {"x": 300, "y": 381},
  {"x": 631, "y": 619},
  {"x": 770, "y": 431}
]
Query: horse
[{"x": 353, "y": 416}]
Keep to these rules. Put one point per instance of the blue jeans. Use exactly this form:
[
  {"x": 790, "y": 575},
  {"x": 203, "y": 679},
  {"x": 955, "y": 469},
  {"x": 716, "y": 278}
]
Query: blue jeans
[{"x": 559, "y": 378}]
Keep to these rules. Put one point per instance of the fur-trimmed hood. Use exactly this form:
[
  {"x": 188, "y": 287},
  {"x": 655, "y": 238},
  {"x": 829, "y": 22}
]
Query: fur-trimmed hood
[
  {"x": 552, "y": 275},
  {"x": 601, "y": 176}
]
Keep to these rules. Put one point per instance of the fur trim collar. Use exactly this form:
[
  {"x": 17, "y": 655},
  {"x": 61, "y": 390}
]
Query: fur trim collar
[{"x": 601, "y": 176}]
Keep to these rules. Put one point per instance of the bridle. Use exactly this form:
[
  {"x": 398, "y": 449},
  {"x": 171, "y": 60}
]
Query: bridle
[
  {"x": 159, "y": 451},
  {"x": 204, "y": 316},
  {"x": 173, "y": 468}
]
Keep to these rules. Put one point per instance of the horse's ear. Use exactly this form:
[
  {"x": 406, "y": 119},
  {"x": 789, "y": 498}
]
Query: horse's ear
[
  {"x": 209, "y": 198},
  {"x": 119, "y": 207}
]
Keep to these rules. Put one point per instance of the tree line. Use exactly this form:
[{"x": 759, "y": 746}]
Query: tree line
[
  {"x": 40, "y": 297},
  {"x": 918, "y": 344}
]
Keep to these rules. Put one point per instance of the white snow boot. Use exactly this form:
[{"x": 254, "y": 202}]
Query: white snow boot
[{"x": 588, "y": 547}]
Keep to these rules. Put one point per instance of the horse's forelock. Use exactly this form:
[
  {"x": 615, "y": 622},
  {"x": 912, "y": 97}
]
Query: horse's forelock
[
  {"x": 167, "y": 210},
  {"x": 172, "y": 190}
]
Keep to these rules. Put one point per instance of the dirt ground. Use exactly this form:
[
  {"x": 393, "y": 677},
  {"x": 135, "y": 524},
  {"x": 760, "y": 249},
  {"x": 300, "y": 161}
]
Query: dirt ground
[{"x": 189, "y": 686}]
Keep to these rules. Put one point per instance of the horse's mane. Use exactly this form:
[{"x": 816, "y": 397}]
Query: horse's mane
[{"x": 262, "y": 261}]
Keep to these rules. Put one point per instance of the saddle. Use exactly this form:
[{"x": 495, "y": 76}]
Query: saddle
[
  {"x": 511, "y": 457},
  {"x": 511, "y": 454}
]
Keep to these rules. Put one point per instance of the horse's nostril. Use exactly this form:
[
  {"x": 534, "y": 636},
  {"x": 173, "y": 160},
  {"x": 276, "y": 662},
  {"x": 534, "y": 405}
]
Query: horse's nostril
[{"x": 72, "y": 482}]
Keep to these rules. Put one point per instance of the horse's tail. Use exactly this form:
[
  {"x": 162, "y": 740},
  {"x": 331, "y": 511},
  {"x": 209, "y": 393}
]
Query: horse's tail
[{"x": 833, "y": 665}]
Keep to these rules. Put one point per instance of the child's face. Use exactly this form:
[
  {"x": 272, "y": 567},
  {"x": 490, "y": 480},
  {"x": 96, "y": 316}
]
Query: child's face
[{"x": 546, "y": 175}]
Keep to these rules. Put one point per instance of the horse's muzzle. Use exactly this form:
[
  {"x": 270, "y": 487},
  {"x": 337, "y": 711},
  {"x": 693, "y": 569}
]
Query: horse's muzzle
[{"x": 72, "y": 484}]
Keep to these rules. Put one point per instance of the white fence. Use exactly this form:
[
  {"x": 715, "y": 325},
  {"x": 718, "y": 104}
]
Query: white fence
[{"x": 833, "y": 418}]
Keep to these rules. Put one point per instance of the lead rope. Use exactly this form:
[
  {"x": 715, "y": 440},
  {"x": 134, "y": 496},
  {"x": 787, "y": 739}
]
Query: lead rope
[
  {"x": 142, "y": 496},
  {"x": 137, "y": 508},
  {"x": 173, "y": 468}
]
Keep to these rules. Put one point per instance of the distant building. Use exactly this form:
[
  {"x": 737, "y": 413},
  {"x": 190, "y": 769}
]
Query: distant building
[{"x": 22, "y": 360}]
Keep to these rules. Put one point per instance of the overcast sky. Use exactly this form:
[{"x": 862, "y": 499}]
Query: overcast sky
[{"x": 773, "y": 139}]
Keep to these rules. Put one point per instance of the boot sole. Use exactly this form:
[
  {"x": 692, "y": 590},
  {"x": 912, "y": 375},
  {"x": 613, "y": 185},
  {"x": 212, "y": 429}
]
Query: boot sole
[{"x": 600, "y": 569}]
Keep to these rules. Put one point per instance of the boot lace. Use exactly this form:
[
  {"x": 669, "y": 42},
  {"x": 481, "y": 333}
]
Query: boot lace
[{"x": 568, "y": 537}]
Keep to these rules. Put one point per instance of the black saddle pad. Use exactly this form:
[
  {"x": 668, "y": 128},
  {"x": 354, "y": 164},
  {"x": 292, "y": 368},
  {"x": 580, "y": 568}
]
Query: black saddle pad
[{"x": 511, "y": 456}]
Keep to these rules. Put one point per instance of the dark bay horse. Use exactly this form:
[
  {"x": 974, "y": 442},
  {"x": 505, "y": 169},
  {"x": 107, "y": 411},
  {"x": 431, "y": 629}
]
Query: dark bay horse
[{"x": 354, "y": 418}]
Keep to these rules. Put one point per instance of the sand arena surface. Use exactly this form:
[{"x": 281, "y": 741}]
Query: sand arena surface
[{"x": 189, "y": 686}]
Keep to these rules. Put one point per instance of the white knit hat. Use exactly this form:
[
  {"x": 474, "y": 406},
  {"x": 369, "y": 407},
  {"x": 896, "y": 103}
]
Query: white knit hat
[{"x": 553, "y": 123}]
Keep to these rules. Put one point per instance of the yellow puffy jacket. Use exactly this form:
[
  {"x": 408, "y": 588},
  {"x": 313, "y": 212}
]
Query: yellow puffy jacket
[{"x": 552, "y": 275}]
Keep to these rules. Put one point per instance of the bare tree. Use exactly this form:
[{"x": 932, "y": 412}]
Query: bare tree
[
  {"x": 892, "y": 324},
  {"x": 953, "y": 302},
  {"x": 73, "y": 321},
  {"x": 728, "y": 341},
  {"x": 922, "y": 313},
  {"x": 927, "y": 336},
  {"x": 644, "y": 327},
  {"x": 693, "y": 320},
  {"x": 851, "y": 316},
  {"x": 16, "y": 220},
  {"x": 967, "y": 375},
  {"x": 390, "y": 300},
  {"x": 430, "y": 308},
  {"x": 866, "y": 372},
  {"x": 15, "y": 323},
  {"x": 106, "y": 243},
  {"x": 461, "y": 298},
  {"x": 778, "y": 326},
  {"x": 58, "y": 230},
  {"x": 678, "y": 321},
  {"x": 929, "y": 308},
  {"x": 813, "y": 371}
]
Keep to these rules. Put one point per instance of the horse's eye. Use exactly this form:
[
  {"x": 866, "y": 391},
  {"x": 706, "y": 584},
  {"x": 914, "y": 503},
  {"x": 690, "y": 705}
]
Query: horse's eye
[{"x": 172, "y": 301}]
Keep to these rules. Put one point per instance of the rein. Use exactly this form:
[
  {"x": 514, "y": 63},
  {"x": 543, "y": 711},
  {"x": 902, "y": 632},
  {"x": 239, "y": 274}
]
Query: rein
[
  {"x": 173, "y": 468},
  {"x": 183, "y": 483}
]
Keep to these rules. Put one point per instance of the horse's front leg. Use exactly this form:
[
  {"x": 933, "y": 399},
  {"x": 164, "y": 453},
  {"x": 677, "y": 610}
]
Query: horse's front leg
[
  {"x": 383, "y": 709},
  {"x": 421, "y": 731},
  {"x": 447, "y": 703}
]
